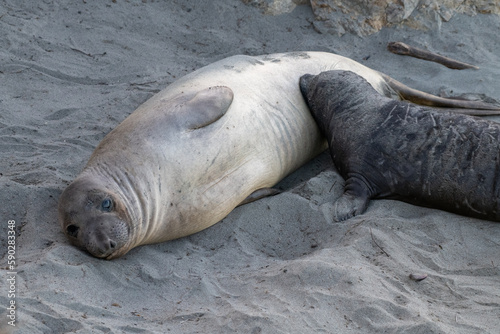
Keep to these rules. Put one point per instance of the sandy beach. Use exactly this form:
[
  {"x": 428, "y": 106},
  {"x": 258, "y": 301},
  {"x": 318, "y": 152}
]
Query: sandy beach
[{"x": 71, "y": 71}]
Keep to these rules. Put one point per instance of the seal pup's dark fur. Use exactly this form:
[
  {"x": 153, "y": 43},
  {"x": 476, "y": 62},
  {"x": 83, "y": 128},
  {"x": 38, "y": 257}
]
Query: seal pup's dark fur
[{"x": 393, "y": 149}]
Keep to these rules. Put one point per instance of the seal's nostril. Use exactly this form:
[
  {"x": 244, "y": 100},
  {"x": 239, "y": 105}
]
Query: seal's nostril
[
  {"x": 112, "y": 244},
  {"x": 72, "y": 230}
]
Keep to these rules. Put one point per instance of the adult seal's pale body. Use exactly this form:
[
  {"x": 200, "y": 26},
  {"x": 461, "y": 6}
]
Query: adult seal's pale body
[
  {"x": 189, "y": 155},
  {"x": 395, "y": 149}
]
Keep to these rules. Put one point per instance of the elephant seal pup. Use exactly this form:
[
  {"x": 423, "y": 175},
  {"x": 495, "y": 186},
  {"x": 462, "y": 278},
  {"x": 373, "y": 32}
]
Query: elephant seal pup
[
  {"x": 194, "y": 151},
  {"x": 394, "y": 149}
]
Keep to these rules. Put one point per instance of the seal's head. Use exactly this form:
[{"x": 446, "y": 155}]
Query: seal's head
[{"x": 94, "y": 218}]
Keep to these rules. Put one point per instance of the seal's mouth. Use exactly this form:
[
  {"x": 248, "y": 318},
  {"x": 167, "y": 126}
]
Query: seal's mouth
[
  {"x": 115, "y": 253},
  {"x": 104, "y": 250},
  {"x": 118, "y": 253}
]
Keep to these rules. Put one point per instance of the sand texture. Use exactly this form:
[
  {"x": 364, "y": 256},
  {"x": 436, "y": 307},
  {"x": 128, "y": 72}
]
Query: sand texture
[{"x": 71, "y": 71}]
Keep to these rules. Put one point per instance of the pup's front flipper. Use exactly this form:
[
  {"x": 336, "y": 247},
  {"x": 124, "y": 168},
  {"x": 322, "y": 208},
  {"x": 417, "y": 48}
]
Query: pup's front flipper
[{"x": 348, "y": 206}]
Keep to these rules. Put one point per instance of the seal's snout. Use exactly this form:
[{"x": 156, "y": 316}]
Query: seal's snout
[
  {"x": 304, "y": 83},
  {"x": 105, "y": 237},
  {"x": 101, "y": 248},
  {"x": 101, "y": 245}
]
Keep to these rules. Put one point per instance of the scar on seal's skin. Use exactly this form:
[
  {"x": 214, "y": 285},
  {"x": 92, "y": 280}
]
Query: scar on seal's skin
[{"x": 407, "y": 50}]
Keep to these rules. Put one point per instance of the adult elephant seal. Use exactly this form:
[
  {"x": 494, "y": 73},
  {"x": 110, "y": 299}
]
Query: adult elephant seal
[
  {"x": 394, "y": 149},
  {"x": 189, "y": 155}
]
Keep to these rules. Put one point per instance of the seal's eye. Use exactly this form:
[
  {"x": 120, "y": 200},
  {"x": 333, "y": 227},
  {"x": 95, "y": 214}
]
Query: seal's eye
[
  {"x": 106, "y": 205},
  {"x": 72, "y": 230}
]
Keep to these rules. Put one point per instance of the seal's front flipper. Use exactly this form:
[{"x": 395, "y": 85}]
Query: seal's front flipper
[
  {"x": 348, "y": 206},
  {"x": 207, "y": 106},
  {"x": 260, "y": 193},
  {"x": 355, "y": 199}
]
